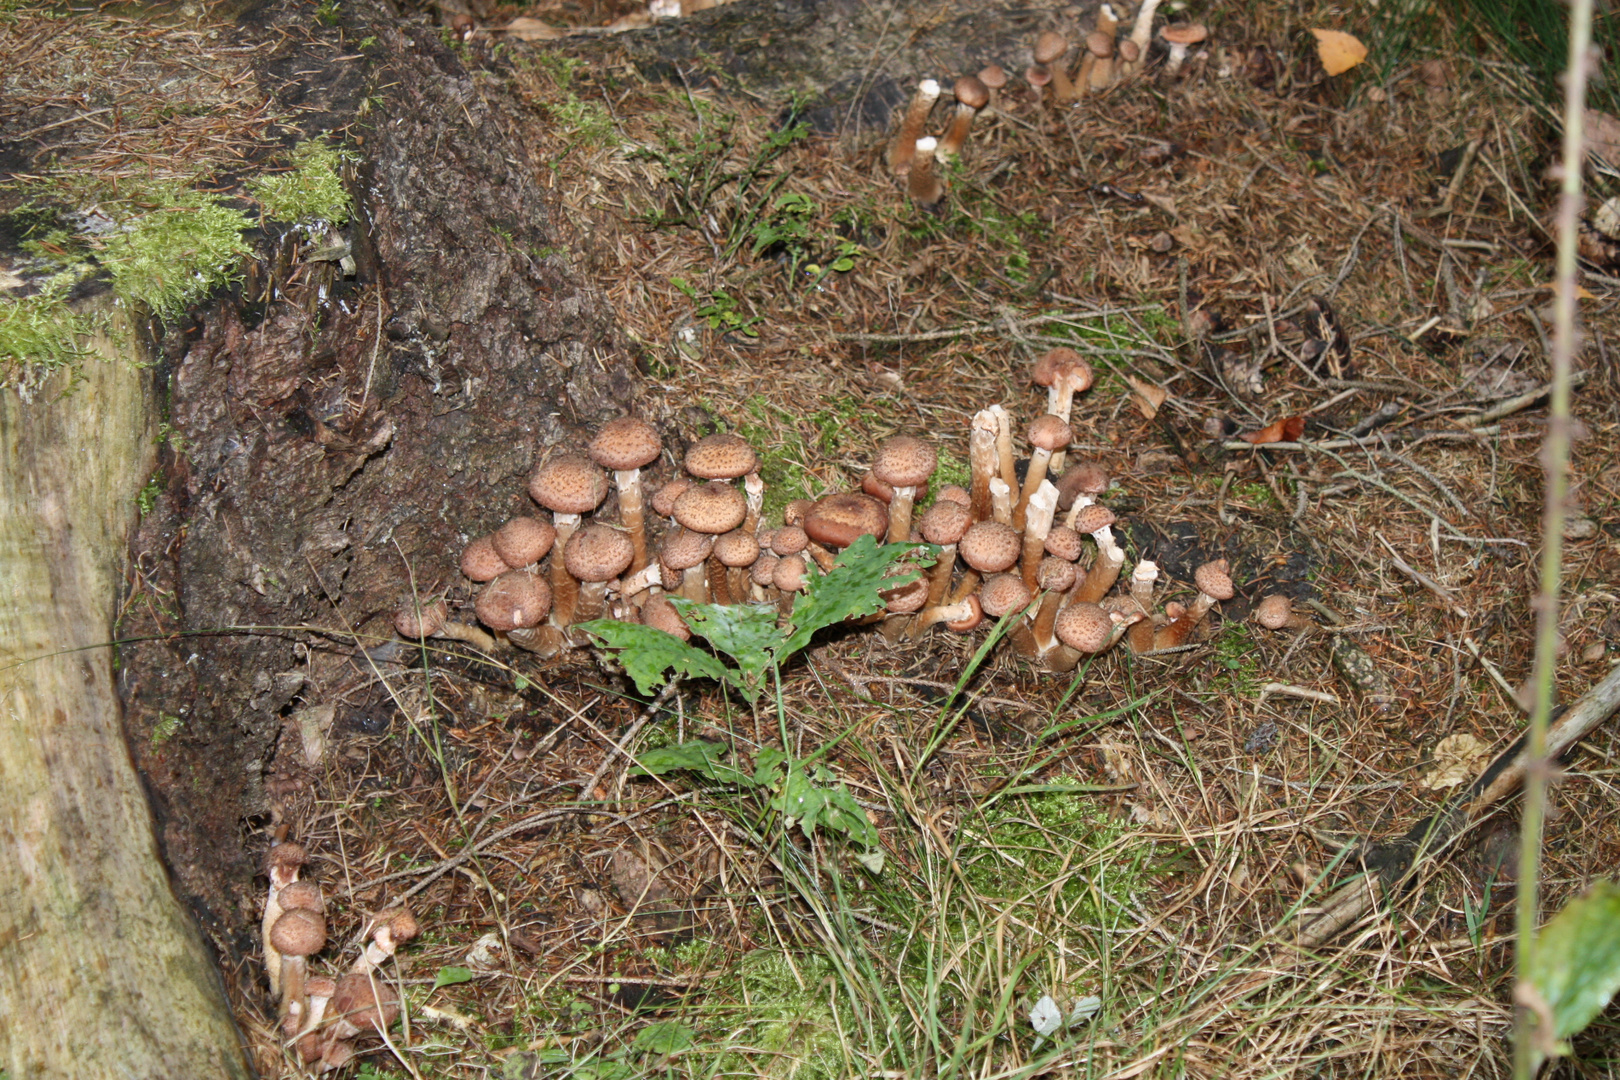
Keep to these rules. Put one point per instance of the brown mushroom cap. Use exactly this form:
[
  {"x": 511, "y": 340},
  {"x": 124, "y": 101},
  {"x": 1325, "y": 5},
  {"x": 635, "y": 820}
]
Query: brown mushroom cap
[
  {"x": 481, "y": 562},
  {"x": 517, "y": 599},
  {"x": 736, "y": 548},
  {"x": 624, "y": 444},
  {"x": 683, "y": 549},
  {"x": 1086, "y": 627},
  {"x": 970, "y": 621},
  {"x": 1273, "y": 611},
  {"x": 990, "y": 547},
  {"x": 840, "y": 520},
  {"x": 716, "y": 507},
  {"x": 1050, "y": 46},
  {"x": 1037, "y": 76},
  {"x": 955, "y": 493},
  {"x": 568, "y": 484},
  {"x": 523, "y": 540},
  {"x": 598, "y": 553},
  {"x": 1094, "y": 518},
  {"x": 366, "y": 1002},
  {"x": 762, "y": 570},
  {"x": 1057, "y": 575},
  {"x": 793, "y": 513},
  {"x": 1054, "y": 362},
  {"x": 993, "y": 76},
  {"x": 285, "y": 856},
  {"x": 415, "y": 624},
  {"x": 660, "y": 614},
  {"x": 789, "y": 540},
  {"x": 1184, "y": 33},
  {"x": 1130, "y": 51},
  {"x": 299, "y": 932},
  {"x": 1002, "y": 593},
  {"x": 907, "y": 598},
  {"x": 972, "y": 92},
  {"x": 402, "y": 925},
  {"x": 1064, "y": 542},
  {"x": 1100, "y": 44},
  {"x": 1049, "y": 433},
  {"x": 945, "y": 522},
  {"x": 790, "y": 573},
  {"x": 720, "y": 457},
  {"x": 1214, "y": 580},
  {"x": 303, "y": 895},
  {"x": 905, "y": 461},
  {"x": 663, "y": 500},
  {"x": 1085, "y": 478}
]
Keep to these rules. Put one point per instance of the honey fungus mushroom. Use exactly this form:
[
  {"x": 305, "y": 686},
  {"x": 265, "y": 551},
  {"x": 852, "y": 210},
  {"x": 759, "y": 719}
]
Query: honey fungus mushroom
[
  {"x": 595, "y": 556},
  {"x": 417, "y": 619},
  {"x": 628, "y": 445},
  {"x": 729, "y": 457},
  {"x": 570, "y": 486},
  {"x": 516, "y": 600},
  {"x": 904, "y": 463}
]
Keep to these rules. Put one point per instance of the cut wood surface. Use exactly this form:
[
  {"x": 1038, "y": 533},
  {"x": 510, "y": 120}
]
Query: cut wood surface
[{"x": 102, "y": 972}]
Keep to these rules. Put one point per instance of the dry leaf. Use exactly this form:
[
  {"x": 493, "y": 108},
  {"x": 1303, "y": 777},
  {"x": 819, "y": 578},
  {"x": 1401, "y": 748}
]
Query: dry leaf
[
  {"x": 1148, "y": 397},
  {"x": 526, "y": 29},
  {"x": 1288, "y": 430},
  {"x": 1603, "y": 136},
  {"x": 1339, "y": 51},
  {"x": 8, "y": 280},
  {"x": 1456, "y": 759},
  {"x": 1117, "y": 760}
]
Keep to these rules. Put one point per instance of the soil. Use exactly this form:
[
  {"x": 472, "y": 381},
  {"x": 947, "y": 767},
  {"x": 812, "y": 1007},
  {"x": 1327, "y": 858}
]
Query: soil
[{"x": 337, "y": 440}]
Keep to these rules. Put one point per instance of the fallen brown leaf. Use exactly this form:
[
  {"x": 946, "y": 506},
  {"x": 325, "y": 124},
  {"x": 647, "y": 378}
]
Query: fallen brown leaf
[
  {"x": 1287, "y": 430},
  {"x": 526, "y": 29},
  {"x": 1147, "y": 396},
  {"x": 1338, "y": 51}
]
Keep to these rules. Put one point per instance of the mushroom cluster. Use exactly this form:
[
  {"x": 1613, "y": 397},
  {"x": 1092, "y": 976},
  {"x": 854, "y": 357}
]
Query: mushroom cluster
[
  {"x": 1034, "y": 542},
  {"x": 1108, "y": 56},
  {"x": 320, "y": 1016}
]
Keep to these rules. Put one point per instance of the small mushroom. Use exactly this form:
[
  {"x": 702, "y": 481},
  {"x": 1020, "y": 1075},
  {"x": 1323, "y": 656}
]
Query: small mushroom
[
  {"x": 595, "y": 555},
  {"x": 904, "y": 463},
  {"x": 387, "y": 934},
  {"x": 627, "y": 445},
  {"x": 994, "y": 78},
  {"x": 1097, "y": 521},
  {"x": 904, "y": 146},
  {"x": 971, "y": 96},
  {"x": 837, "y": 521},
  {"x": 569, "y": 485},
  {"x": 1049, "y": 50},
  {"x": 923, "y": 183},
  {"x": 660, "y": 614},
  {"x": 1047, "y": 436},
  {"x": 683, "y": 553},
  {"x": 1055, "y": 578},
  {"x": 1039, "y": 78},
  {"x": 944, "y": 524},
  {"x": 988, "y": 547},
  {"x": 1064, "y": 373},
  {"x": 732, "y": 554},
  {"x": 297, "y": 935},
  {"x": 361, "y": 1004},
  {"x": 523, "y": 541},
  {"x": 517, "y": 600},
  {"x": 1276, "y": 612},
  {"x": 281, "y": 866},
  {"x": 1214, "y": 583},
  {"x": 416, "y": 620},
  {"x": 1181, "y": 37},
  {"x": 1143, "y": 576},
  {"x": 481, "y": 562},
  {"x": 964, "y": 611}
]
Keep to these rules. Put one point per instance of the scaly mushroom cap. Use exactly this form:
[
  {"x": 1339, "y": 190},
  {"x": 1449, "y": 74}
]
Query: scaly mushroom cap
[
  {"x": 1184, "y": 33},
  {"x": 793, "y": 513},
  {"x": 367, "y": 1003},
  {"x": 1214, "y": 580},
  {"x": 736, "y": 548},
  {"x": 624, "y": 444},
  {"x": 945, "y": 522},
  {"x": 970, "y": 621},
  {"x": 905, "y": 461},
  {"x": 906, "y": 599},
  {"x": 569, "y": 484},
  {"x": 303, "y": 896},
  {"x": 789, "y": 540},
  {"x": 415, "y": 624},
  {"x": 840, "y": 520},
  {"x": 1094, "y": 518},
  {"x": 299, "y": 932},
  {"x": 402, "y": 925},
  {"x": 663, "y": 500},
  {"x": 763, "y": 569},
  {"x": 683, "y": 549},
  {"x": 1049, "y": 433},
  {"x": 1085, "y": 627},
  {"x": 1054, "y": 362},
  {"x": 990, "y": 547},
  {"x": 1050, "y": 46},
  {"x": 994, "y": 77},
  {"x": 1100, "y": 45},
  {"x": 1085, "y": 478},
  {"x": 972, "y": 91},
  {"x": 955, "y": 493},
  {"x": 1130, "y": 51},
  {"x": 285, "y": 857},
  {"x": 1064, "y": 543},
  {"x": 481, "y": 562},
  {"x": 660, "y": 614},
  {"x": 790, "y": 573},
  {"x": 523, "y": 540},
  {"x": 598, "y": 553},
  {"x": 515, "y": 600},
  {"x": 1057, "y": 575},
  {"x": 720, "y": 457},
  {"x": 1273, "y": 611},
  {"x": 714, "y": 508},
  {"x": 1002, "y": 593}
]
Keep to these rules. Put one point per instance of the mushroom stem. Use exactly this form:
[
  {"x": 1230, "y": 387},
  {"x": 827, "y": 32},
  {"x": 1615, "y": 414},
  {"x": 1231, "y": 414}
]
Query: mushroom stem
[
  {"x": 923, "y": 183},
  {"x": 1045, "y": 616},
  {"x": 1039, "y": 459},
  {"x": 719, "y": 582},
  {"x": 938, "y": 613},
  {"x": 982, "y": 461},
  {"x": 1102, "y": 575},
  {"x": 754, "y": 491},
  {"x": 900, "y": 514},
  {"x": 1143, "y": 576},
  {"x": 282, "y": 865},
  {"x": 1004, "y": 446},
  {"x": 1042, "y": 507},
  {"x": 1142, "y": 29},
  {"x": 1001, "y": 500},
  {"x": 564, "y": 589},
  {"x": 904, "y": 146},
  {"x": 939, "y": 577},
  {"x": 632, "y": 513}
]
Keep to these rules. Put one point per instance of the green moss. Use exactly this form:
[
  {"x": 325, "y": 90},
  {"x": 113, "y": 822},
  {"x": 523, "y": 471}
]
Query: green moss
[
  {"x": 40, "y": 334},
  {"x": 175, "y": 247},
  {"x": 793, "y": 1030},
  {"x": 312, "y": 191}
]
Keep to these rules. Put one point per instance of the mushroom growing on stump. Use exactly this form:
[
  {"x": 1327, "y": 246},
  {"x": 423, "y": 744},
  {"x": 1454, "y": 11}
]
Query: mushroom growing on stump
[
  {"x": 971, "y": 96},
  {"x": 837, "y": 521},
  {"x": 923, "y": 184},
  {"x": 517, "y": 600},
  {"x": 595, "y": 556},
  {"x": 628, "y": 445},
  {"x": 729, "y": 457},
  {"x": 988, "y": 547},
  {"x": 904, "y": 145},
  {"x": 1064, "y": 374},
  {"x": 480, "y": 561},
  {"x": 1049, "y": 50},
  {"x": 1276, "y": 612},
  {"x": 523, "y": 541},
  {"x": 1214, "y": 581},
  {"x": 281, "y": 866},
  {"x": 1048, "y": 435},
  {"x": 432, "y": 620},
  {"x": 1097, "y": 521},
  {"x": 904, "y": 463},
  {"x": 297, "y": 935},
  {"x": 568, "y": 485}
]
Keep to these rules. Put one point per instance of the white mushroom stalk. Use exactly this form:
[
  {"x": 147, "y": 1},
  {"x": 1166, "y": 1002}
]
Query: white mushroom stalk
[
  {"x": 1001, "y": 503},
  {"x": 982, "y": 462},
  {"x": 1038, "y": 517},
  {"x": 1142, "y": 29},
  {"x": 1004, "y": 446},
  {"x": 904, "y": 146}
]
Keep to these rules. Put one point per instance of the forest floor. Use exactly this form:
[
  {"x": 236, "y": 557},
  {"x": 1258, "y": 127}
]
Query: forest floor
[{"x": 1141, "y": 832}]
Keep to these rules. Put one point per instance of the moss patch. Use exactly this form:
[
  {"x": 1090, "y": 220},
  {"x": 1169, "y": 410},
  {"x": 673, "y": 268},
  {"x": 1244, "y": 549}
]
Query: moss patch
[{"x": 312, "y": 191}]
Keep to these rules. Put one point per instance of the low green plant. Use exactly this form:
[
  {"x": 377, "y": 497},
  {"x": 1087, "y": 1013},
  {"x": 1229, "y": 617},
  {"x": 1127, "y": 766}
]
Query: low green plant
[
  {"x": 39, "y": 334},
  {"x": 719, "y": 309},
  {"x": 1575, "y": 969},
  {"x": 173, "y": 247},
  {"x": 312, "y": 191}
]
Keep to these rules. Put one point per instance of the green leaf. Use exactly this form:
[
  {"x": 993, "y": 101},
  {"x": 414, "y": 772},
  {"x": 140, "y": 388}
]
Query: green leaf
[
  {"x": 1576, "y": 965},
  {"x": 704, "y": 758},
  {"x": 665, "y": 1037},
  {"x": 647, "y": 653},
  {"x": 768, "y": 765},
  {"x": 848, "y": 591},
  {"x": 450, "y": 976},
  {"x": 745, "y": 632}
]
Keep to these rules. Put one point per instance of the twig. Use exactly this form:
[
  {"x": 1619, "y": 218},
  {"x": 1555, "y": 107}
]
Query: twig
[
  {"x": 1423, "y": 579},
  {"x": 1290, "y": 690},
  {"x": 1523, "y": 401},
  {"x": 995, "y": 325}
]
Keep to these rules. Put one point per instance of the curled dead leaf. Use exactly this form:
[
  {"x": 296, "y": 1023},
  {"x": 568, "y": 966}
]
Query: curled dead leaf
[
  {"x": 1147, "y": 396},
  {"x": 1338, "y": 51},
  {"x": 1286, "y": 430},
  {"x": 1456, "y": 759}
]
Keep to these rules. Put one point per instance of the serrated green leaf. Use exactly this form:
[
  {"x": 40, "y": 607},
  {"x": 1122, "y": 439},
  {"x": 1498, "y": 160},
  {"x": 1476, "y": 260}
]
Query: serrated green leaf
[
  {"x": 707, "y": 759},
  {"x": 451, "y": 976},
  {"x": 1576, "y": 964},
  {"x": 768, "y": 764},
  {"x": 848, "y": 591},
  {"x": 665, "y": 1037},
  {"x": 745, "y": 632},
  {"x": 841, "y": 813},
  {"x": 647, "y": 654}
]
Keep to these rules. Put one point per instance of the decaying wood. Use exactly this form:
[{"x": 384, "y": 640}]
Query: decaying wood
[{"x": 102, "y": 973}]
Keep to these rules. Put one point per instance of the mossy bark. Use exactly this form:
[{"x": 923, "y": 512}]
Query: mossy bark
[{"x": 102, "y": 972}]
